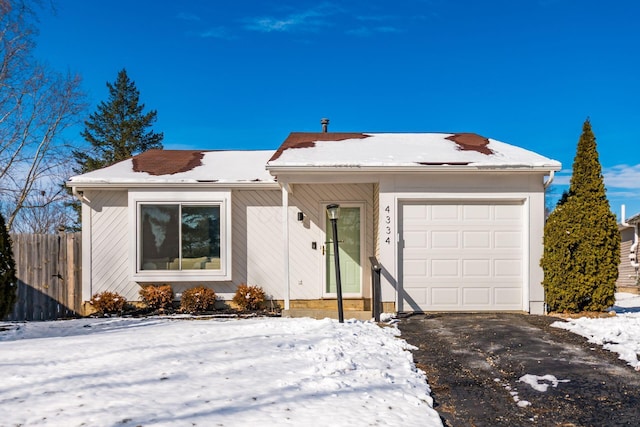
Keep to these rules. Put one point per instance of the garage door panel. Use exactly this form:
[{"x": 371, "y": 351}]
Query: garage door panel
[
  {"x": 444, "y": 297},
  {"x": 476, "y": 239},
  {"x": 415, "y": 212},
  {"x": 415, "y": 268},
  {"x": 444, "y": 240},
  {"x": 416, "y": 298},
  {"x": 415, "y": 239},
  {"x": 469, "y": 256},
  {"x": 476, "y": 212},
  {"x": 444, "y": 212},
  {"x": 476, "y": 268},
  {"x": 476, "y": 296},
  {"x": 507, "y": 268},
  {"x": 445, "y": 268},
  {"x": 511, "y": 239},
  {"x": 508, "y": 212},
  {"x": 509, "y": 297}
]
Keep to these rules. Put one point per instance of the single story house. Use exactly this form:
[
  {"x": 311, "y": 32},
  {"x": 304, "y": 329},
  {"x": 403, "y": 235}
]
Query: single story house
[{"x": 455, "y": 220}]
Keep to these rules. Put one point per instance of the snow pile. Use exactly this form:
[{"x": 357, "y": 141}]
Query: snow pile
[
  {"x": 169, "y": 371},
  {"x": 541, "y": 382},
  {"x": 620, "y": 333}
]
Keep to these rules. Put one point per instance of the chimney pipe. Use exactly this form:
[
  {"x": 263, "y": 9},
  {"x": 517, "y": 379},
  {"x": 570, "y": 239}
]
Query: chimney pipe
[
  {"x": 623, "y": 214},
  {"x": 325, "y": 124}
]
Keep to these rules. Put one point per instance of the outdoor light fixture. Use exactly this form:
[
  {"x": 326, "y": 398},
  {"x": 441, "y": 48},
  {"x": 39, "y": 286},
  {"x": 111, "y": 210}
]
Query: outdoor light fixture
[
  {"x": 333, "y": 212},
  {"x": 300, "y": 216}
]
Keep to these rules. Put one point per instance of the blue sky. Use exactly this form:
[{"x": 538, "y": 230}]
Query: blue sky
[{"x": 243, "y": 74}]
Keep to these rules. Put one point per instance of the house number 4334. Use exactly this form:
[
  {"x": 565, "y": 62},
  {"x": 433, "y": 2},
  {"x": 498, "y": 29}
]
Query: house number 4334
[{"x": 387, "y": 224}]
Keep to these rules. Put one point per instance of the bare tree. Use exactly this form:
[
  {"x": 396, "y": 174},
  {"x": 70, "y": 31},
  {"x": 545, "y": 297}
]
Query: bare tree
[{"x": 36, "y": 106}]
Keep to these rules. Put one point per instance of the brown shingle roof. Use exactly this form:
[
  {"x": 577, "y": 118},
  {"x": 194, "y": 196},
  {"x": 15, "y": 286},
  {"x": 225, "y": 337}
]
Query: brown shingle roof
[
  {"x": 307, "y": 139},
  {"x": 167, "y": 162},
  {"x": 471, "y": 142}
]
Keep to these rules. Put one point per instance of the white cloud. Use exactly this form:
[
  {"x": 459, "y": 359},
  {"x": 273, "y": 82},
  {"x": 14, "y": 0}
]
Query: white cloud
[
  {"x": 308, "y": 20},
  {"x": 216, "y": 33},
  {"x": 185, "y": 16},
  {"x": 563, "y": 177},
  {"x": 618, "y": 176},
  {"x": 623, "y": 176}
]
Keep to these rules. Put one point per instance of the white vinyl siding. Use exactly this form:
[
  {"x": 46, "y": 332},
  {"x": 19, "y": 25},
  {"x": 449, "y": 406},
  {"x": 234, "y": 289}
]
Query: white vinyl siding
[
  {"x": 307, "y": 264},
  {"x": 107, "y": 262}
]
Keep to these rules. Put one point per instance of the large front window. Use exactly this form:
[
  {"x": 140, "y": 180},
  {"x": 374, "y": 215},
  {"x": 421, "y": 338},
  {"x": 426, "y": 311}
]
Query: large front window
[{"x": 180, "y": 236}]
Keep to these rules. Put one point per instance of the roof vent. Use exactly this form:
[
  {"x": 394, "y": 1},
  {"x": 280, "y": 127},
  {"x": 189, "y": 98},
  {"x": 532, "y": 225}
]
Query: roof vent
[{"x": 325, "y": 124}]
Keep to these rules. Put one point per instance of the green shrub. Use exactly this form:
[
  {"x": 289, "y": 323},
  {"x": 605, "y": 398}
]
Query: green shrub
[
  {"x": 581, "y": 239},
  {"x": 249, "y": 297},
  {"x": 8, "y": 279},
  {"x": 157, "y": 297},
  {"x": 197, "y": 300},
  {"x": 108, "y": 302}
]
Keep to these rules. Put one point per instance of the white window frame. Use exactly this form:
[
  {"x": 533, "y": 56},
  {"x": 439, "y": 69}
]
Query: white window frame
[{"x": 219, "y": 198}]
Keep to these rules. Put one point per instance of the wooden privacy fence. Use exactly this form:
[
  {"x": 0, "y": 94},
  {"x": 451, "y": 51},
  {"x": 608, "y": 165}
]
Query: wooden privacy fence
[{"x": 49, "y": 276}]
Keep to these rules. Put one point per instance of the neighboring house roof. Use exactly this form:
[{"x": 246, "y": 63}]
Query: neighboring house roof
[
  {"x": 634, "y": 219},
  {"x": 182, "y": 166},
  {"x": 404, "y": 151}
]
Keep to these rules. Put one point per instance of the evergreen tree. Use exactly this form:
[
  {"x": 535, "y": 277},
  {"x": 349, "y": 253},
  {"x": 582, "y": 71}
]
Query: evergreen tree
[
  {"x": 581, "y": 239},
  {"x": 8, "y": 280},
  {"x": 118, "y": 129}
]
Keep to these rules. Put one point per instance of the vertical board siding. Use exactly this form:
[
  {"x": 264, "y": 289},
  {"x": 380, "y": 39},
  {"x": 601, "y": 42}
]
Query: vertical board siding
[
  {"x": 49, "y": 276},
  {"x": 256, "y": 230},
  {"x": 306, "y": 263},
  {"x": 257, "y": 240},
  {"x": 110, "y": 245}
]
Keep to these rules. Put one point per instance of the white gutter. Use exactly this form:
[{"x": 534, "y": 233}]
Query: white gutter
[
  {"x": 552, "y": 174},
  {"x": 308, "y": 169},
  {"x": 126, "y": 185}
]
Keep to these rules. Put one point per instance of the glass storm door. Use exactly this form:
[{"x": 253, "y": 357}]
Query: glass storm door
[{"x": 349, "y": 242}]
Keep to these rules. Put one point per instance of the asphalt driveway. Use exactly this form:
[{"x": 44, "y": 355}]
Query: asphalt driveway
[{"x": 491, "y": 369}]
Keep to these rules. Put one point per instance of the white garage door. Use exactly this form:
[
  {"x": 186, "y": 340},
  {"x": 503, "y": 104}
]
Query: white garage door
[{"x": 461, "y": 256}]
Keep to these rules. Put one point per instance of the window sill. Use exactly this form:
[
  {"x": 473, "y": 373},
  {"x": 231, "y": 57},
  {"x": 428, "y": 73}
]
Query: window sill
[{"x": 181, "y": 276}]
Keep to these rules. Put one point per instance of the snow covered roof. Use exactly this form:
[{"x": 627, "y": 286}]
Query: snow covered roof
[
  {"x": 402, "y": 150},
  {"x": 182, "y": 166},
  {"x": 317, "y": 151}
]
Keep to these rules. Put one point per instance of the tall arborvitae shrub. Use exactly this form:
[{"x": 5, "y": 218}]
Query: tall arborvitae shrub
[
  {"x": 581, "y": 239},
  {"x": 8, "y": 279}
]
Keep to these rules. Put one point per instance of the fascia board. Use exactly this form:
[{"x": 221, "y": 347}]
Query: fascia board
[{"x": 77, "y": 186}]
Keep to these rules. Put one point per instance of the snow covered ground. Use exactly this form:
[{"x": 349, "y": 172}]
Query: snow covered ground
[
  {"x": 180, "y": 371},
  {"x": 212, "y": 372},
  {"x": 619, "y": 333}
]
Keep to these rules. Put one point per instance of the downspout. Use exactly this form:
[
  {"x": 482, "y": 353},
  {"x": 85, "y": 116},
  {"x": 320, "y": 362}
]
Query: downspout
[
  {"x": 550, "y": 180},
  {"x": 285, "y": 235}
]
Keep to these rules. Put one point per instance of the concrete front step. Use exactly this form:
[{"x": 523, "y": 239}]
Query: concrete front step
[
  {"x": 321, "y": 314},
  {"x": 629, "y": 289}
]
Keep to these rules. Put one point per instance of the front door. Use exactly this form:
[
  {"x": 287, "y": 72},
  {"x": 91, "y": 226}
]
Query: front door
[{"x": 349, "y": 227}]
